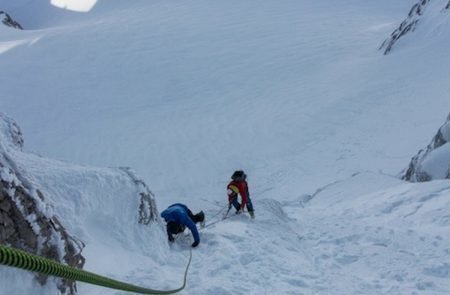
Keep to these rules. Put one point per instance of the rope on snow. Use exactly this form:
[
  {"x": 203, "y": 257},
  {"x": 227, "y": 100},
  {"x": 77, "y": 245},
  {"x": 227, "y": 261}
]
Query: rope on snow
[{"x": 24, "y": 260}]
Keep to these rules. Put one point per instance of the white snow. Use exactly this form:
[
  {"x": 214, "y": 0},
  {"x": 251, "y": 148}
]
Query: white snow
[
  {"x": 185, "y": 92},
  {"x": 75, "y": 5}
]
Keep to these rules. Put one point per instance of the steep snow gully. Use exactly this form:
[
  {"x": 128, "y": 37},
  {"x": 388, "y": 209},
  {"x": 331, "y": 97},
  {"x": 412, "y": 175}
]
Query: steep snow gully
[{"x": 163, "y": 86}]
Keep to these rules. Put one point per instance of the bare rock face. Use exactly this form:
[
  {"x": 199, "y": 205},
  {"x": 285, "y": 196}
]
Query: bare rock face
[
  {"x": 8, "y": 21},
  {"x": 24, "y": 222},
  {"x": 433, "y": 162}
]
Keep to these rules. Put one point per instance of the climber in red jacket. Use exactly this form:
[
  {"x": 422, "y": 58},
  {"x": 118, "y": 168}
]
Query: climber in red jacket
[{"x": 239, "y": 186}]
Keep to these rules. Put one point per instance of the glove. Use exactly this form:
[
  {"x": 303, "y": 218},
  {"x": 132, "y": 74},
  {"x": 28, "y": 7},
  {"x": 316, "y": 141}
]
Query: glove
[{"x": 195, "y": 244}]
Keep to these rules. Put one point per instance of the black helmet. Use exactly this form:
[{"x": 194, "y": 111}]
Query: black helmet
[
  {"x": 238, "y": 175},
  {"x": 199, "y": 217}
]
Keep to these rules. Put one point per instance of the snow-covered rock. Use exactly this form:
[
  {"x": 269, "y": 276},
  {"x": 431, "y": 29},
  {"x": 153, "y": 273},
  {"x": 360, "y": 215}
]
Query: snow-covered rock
[
  {"x": 410, "y": 23},
  {"x": 9, "y": 21},
  {"x": 25, "y": 222},
  {"x": 40, "y": 198},
  {"x": 434, "y": 161}
]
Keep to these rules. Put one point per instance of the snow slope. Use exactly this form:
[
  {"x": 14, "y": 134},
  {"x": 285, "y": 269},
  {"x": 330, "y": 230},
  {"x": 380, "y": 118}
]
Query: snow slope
[
  {"x": 294, "y": 79},
  {"x": 293, "y": 92}
]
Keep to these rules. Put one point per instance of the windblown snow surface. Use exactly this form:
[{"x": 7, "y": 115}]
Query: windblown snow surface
[{"x": 296, "y": 93}]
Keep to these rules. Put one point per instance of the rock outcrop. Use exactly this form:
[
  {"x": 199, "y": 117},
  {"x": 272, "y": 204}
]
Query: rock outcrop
[
  {"x": 415, "y": 16},
  {"x": 9, "y": 21},
  {"x": 433, "y": 162},
  {"x": 408, "y": 25},
  {"x": 28, "y": 218},
  {"x": 25, "y": 224}
]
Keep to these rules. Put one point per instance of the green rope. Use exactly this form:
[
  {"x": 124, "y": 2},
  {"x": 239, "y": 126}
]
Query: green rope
[{"x": 21, "y": 259}]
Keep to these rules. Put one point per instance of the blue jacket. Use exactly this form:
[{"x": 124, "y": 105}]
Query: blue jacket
[{"x": 179, "y": 213}]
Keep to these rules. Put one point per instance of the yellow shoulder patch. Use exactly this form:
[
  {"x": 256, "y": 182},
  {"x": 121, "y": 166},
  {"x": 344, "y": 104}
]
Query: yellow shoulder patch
[{"x": 234, "y": 189}]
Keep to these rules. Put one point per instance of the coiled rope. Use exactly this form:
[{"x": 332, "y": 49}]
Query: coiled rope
[{"x": 21, "y": 259}]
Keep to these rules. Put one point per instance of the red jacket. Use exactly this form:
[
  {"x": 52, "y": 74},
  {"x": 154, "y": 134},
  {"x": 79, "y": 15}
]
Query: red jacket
[{"x": 234, "y": 188}]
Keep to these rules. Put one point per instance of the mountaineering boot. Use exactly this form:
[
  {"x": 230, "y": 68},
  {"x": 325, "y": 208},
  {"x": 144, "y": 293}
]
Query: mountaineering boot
[{"x": 252, "y": 214}]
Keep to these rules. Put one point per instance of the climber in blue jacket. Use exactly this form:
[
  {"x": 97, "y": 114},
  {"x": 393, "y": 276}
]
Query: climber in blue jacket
[{"x": 178, "y": 216}]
